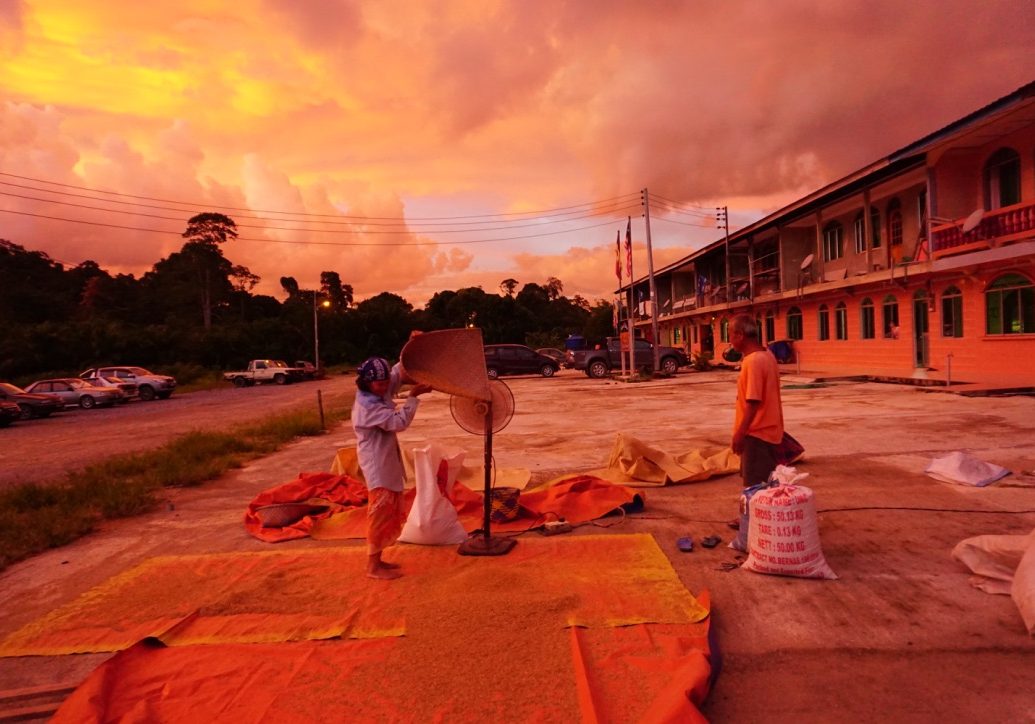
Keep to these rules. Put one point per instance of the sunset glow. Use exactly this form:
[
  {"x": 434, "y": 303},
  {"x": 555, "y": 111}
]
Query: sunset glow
[{"x": 427, "y": 117}]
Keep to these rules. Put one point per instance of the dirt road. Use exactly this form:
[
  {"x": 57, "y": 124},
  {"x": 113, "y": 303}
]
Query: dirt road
[
  {"x": 900, "y": 636},
  {"x": 39, "y": 450}
]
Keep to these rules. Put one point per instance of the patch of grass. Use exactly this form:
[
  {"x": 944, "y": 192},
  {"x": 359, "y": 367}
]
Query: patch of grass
[{"x": 38, "y": 516}]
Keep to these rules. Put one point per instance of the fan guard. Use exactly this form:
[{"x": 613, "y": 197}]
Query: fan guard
[{"x": 470, "y": 414}]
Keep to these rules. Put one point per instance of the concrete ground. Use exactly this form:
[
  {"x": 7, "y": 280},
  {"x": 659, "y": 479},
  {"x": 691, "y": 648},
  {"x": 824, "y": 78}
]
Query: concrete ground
[{"x": 900, "y": 636}]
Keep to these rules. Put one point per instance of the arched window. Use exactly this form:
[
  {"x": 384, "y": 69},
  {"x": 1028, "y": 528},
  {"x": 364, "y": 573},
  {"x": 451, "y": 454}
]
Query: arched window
[
  {"x": 875, "y": 227},
  {"x": 824, "y": 322},
  {"x": 1002, "y": 179},
  {"x": 833, "y": 241},
  {"x": 859, "y": 232},
  {"x": 1010, "y": 305},
  {"x": 724, "y": 330},
  {"x": 952, "y": 312},
  {"x": 889, "y": 315},
  {"x": 794, "y": 325},
  {"x": 868, "y": 321},
  {"x": 770, "y": 326},
  {"x": 894, "y": 222},
  {"x": 841, "y": 320}
]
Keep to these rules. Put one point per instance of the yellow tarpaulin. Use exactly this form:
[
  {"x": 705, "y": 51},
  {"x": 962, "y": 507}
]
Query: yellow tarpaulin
[
  {"x": 634, "y": 462},
  {"x": 611, "y": 580}
]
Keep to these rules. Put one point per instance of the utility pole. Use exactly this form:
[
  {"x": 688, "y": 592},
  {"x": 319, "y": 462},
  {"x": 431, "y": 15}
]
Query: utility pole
[
  {"x": 650, "y": 277},
  {"x": 316, "y": 336},
  {"x": 722, "y": 220}
]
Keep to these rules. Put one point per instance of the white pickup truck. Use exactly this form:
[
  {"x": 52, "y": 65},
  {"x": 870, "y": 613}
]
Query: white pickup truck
[{"x": 265, "y": 370}]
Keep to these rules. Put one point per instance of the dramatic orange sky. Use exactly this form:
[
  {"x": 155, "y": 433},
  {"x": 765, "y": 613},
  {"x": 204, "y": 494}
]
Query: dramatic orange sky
[{"x": 394, "y": 118}]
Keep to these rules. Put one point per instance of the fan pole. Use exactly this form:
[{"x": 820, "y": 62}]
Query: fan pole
[
  {"x": 487, "y": 545},
  {"x": 486, "y": 499}
]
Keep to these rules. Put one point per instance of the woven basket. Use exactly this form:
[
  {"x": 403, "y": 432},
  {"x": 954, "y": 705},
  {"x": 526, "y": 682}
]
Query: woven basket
[{"x": 504, "y": 504}]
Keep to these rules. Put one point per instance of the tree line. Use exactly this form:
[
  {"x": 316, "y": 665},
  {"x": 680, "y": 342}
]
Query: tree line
[{"x": 196, "y": 307}]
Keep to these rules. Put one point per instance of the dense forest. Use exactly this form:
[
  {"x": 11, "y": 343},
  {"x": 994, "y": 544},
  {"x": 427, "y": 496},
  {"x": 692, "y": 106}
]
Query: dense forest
[{"x": 196, "y": 307}]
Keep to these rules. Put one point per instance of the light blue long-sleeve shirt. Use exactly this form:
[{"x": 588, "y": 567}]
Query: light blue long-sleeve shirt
[{"x": 376, "y": 420}]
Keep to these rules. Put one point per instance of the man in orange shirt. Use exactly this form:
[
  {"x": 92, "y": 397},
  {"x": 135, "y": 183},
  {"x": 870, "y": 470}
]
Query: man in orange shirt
[{"x": 758, "y": 424}]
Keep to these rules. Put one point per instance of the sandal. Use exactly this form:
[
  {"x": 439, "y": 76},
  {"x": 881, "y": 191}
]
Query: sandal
[{"x": 685, "y": 544}]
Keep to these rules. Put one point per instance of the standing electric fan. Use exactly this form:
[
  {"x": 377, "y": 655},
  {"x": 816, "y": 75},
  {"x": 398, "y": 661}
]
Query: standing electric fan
[{"x": 453, "y": 361}]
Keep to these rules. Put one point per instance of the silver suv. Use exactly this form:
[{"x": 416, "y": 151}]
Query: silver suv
[{"x": 149, "y": 385}]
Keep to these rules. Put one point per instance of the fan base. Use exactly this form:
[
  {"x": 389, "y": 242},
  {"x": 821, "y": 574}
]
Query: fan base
[{"x": 482, "y": 546}]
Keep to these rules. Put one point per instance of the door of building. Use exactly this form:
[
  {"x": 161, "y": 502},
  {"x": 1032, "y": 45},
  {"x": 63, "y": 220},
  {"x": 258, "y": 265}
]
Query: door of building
[
  {"x": 707, "y": 342},
  {"x": 921, "y": 356}
]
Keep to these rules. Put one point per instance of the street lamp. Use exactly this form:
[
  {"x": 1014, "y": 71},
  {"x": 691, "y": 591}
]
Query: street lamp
[{"x": 316, "y": 330}]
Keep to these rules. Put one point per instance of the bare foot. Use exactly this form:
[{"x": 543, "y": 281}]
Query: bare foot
[
  {"x": 386, "y": 564},
  {"x": 383, "y": 574}
]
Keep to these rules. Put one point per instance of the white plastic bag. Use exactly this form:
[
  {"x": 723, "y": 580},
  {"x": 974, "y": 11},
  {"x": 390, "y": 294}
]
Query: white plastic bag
[
  {"x": 783, "y": 534},
  {"x": 963, "y": 469},
  {"x": 433, "y": 519}
]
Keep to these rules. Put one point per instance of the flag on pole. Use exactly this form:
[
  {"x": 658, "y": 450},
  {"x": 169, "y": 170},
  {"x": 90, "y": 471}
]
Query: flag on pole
[
  {"x": 629, "y": 247},
  {"x": 618, "y": 256}
]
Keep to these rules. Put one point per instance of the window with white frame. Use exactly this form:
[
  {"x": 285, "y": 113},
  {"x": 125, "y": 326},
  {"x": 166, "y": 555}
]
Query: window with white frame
[
  {"x": 889, "y": 317},
  {"x": 824, "y": 322},
  {"x": 859, "y": 228},
  {"x": 770, "y": 326},
  {"x": 794, "y": 324},
  {"x": 833, "y": 241},
  {"x": 952, "y": 312},
  {"x": 1010, "y": 305},
  {"x": 867, "y": 319},
  {"x": 841, "y": 320},
  {"x": 894, "y": 222}
]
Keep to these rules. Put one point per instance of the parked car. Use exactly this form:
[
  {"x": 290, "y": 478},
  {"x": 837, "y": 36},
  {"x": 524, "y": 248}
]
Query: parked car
[
  {"x": 130, "y": 390},
  {"x": 31, "y": 405},
  {"x": 555, "y": 354},
  {"x": 264, "y": 370},
  {"x": 149, "y": 385},
  {"x": 309, "y": 370},
  {"x": 9, "y": 412},
  {"x": 600, "y": 361},
  {"x": 74, "y": 391},
  {"x": 517, "y": 359}
]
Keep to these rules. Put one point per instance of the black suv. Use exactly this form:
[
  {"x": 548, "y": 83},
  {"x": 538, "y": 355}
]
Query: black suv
[{"x": 517, "y": 359}]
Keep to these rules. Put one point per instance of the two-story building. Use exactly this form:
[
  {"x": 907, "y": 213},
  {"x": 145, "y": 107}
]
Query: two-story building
[{"x": 920, "y": 264}]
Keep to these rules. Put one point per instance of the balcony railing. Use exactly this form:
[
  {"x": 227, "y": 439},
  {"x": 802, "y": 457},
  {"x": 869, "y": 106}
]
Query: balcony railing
[{"x": 997, "y": 227}]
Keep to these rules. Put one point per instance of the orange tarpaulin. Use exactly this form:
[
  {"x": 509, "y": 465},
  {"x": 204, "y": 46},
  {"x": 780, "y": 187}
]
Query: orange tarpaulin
[
  {"x": 577, "y": 499},
  {"x": 607, "y": 580},
  {"x": 641, "y": 673},
  {"x": 338, "y": 490},
  {"x": 487, "y": 639}
]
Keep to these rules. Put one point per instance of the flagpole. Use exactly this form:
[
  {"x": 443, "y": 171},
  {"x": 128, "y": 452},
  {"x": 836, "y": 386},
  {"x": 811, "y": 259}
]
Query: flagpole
[
  {"x": 618, "y": 308},
  {"x": 650, "y": 276},
  {"x": 632, "y": 295}
]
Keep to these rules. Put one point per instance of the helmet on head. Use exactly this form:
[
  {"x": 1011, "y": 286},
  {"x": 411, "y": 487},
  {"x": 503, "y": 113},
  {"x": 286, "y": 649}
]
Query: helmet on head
[{"x": 374, "y": 370}]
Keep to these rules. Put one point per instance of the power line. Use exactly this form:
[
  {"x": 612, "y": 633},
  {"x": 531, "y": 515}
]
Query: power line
[
  {"x": 587, "y": 213},
  {"x": 683, "y": 223},
  {"x": 706, "y": 209},
  {"x": 665, "y": 206},
  {"x": 321, "y": 243},
  {"x": 512, "y": 225},
  {"x": 196, "y": 205}
]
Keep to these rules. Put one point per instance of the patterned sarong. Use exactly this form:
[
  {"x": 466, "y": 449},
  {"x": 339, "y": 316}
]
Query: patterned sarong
[{"x": 385, "y": 518}]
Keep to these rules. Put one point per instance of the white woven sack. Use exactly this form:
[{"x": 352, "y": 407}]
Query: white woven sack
[
  {"x": 783, "y": 534},
  {"x": 433, "y": 520},
  {"x": 1023, "y": 590}
]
